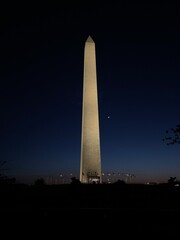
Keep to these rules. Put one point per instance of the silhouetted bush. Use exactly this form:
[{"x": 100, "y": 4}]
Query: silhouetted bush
[
  {"x": 121, "y": 182},
  {"x": 74, "y": 180}
]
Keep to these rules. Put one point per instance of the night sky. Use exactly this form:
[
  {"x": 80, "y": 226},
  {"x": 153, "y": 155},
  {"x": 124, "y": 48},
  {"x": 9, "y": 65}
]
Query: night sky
[{"x": 41, "y": 80}]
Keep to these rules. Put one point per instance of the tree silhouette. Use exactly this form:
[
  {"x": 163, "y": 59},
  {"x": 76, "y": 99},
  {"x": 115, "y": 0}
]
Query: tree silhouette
[
  {"x": 3, "y": 178},
  {"x": 40, "y": 182},
  {"x": 172, "y": 180},
  {"x": 2, "y": 163},
  {"x": 172, "y": 136}
]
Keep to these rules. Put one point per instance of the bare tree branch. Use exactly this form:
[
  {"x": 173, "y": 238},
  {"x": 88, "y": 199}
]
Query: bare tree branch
[{"x": 172, "y": 136}]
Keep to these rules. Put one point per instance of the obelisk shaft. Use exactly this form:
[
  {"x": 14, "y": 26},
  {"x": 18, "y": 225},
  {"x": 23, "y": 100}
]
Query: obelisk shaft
[{"x": 90, "y": 165}]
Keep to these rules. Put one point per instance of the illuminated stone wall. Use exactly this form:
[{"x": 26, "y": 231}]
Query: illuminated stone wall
[{"x": 90, "y": 140}]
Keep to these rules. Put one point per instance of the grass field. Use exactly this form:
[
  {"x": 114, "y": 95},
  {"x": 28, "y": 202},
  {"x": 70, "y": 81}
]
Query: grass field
[{"x": 136, "y": 210}]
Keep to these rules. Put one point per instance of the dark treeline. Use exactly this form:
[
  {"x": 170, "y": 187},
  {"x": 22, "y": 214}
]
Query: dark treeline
[{"x": 129, "y": 196}]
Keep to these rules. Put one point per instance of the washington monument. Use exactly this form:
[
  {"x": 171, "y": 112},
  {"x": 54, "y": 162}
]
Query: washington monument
[{"x": 90, "y": 165}]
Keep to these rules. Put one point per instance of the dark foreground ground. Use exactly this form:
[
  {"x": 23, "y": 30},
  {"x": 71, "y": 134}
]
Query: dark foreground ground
[{"x": 85, "y": 211}]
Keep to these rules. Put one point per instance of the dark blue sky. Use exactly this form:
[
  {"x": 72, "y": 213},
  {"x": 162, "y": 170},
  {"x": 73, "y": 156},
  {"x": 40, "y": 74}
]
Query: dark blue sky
[{"x": 138, "y": 67}]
